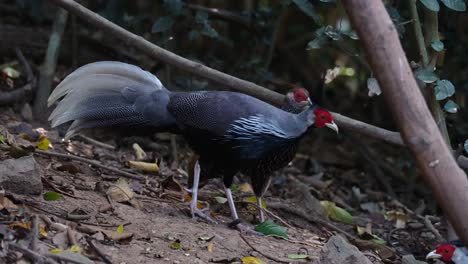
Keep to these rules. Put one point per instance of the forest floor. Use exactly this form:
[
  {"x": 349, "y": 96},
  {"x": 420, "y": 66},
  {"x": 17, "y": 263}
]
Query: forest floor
[
  {"x": 54, "y": 207},
  {"x": 148, "y": 221}
]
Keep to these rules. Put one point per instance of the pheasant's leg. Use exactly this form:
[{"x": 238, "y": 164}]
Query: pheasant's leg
[
  {"x": 231, "y": 204},
  {"x": 235, "y": 217},
  {"x": 260, "y": 211},
  {"x": 193, "y": 204}
]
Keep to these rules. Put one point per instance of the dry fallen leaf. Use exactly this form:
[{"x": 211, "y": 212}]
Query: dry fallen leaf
[
  {"x": 144, "y": 166},
  {"x": 401, "y": 218},
  {"x": 120, "y": 191},
  {"x": 139, "y": 152},
  {"x": 210, "y": 247},
  {"x": 252, "y": 260}
]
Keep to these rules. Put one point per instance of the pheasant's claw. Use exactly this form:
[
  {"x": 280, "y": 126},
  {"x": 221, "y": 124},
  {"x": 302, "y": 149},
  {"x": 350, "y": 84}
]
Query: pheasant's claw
[
  {"x": 243, "y": 228},
  {"x": 200, "y": 213}
]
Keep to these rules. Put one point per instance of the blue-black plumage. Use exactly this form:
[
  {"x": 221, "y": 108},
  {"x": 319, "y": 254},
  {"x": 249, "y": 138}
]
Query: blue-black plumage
[{"x": 231, "y": 132}]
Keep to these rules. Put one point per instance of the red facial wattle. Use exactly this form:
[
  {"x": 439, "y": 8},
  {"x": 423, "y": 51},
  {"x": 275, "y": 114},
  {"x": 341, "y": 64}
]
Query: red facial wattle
[
  {"x": 300, "y": 96},
  {"x": 446, "y": 252},
  {"x": 322, "y": 118}
]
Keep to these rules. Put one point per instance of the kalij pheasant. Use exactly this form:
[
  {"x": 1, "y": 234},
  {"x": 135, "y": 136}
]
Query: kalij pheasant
[
  {"x": 453, "y": 252},
  {"x": 231, "y": 132}
]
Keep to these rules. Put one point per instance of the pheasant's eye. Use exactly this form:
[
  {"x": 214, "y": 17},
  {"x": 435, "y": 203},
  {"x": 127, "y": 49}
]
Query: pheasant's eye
[{"x": 446, "y": 250}]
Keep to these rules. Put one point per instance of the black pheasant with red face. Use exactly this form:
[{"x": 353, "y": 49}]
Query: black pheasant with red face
[{"x": 231, "y": 132}]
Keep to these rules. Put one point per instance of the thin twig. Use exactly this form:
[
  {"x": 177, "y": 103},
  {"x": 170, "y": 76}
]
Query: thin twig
[
  {"x": 92, "y": 162},
  {"x": 261, "y": 253},
  {"x": 271, "y": 214},
  {"x": 97, "y": 143},
  {"x": 60, "y": 191},
  {"x": 35, "y": 233},
  {"x": 25, "y": 65},
  {"x": 71, "y": 237},
  {"x": 297, "y": 241},
  {"x": 38, "y": 258},
  {"x": 431, "y": 227},
  {"x": 98, "y": 251}
]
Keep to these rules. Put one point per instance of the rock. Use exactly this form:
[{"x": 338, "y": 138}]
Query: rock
[
  {"x": 338, "y": 251},
  {"x": 22, "y": 176},
  {"x": 409, "y": 259}
]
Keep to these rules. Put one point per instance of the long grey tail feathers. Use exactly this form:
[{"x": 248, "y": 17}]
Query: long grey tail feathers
[{"x": 106, "y": 93}]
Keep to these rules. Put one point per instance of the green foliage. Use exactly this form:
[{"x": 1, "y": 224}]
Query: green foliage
[
  {"x": 444, "y": 89},
  {"x": 162, "y": 24},
  {"x": 426, "y": 76},
  {"x": 432, "y": 5},
  {"x": 437, "y": 45},
  {"x": 337, "y": 213},
  {"x": 270, "y": 228},
  {"x": 306, "y": 7},
  {"x": 298, "y": 256},
  {"x": 52, "y": 196},
  {"x": 451, "y": 107},
  {"x": 456, "y": 5},
  {"x": 328, "y": 33}
]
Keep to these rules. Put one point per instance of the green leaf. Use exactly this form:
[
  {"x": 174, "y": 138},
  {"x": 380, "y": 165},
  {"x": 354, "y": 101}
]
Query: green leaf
[
  {"x": 253, "y": 199},
  {"x": 2, "y": 139},
  {"x": 437, "y": 45},
  {"x": 337, "y": 213},
  {"x": 451, "y": 107},
  {"x": 174, "y": 6},
  {"x": 444, "y": 89},
  {"x": 426, "y": 76},
  {"x": 175, "y": 244},
  {"x": 270, "y": 228},
  {"x": 432, "y": 5},
  {"x": 465, "y": 146},
  {"x": 457, "y": 5},
  {"x": 201, "y": 17},
  {"x": 332, "y": 33},
  {"x": 317, "y": 43},
  {"x": 209, "y": 31},
  {"x": 52, "y": 196},
  {"x": 306, "y": 7},
  {"x": 298, "y": 256},
  {"x": 162, "y": 24},
  {"x": 193, "y": 34},
  {"x": 352, "y": 34},
  {"x": 120, "y": 229}
]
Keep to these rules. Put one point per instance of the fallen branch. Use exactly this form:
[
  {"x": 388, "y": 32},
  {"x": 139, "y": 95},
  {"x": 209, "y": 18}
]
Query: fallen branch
[
  {"x": 216, "y": 76},
  {"x": 212, "y": 74},
  {"x": 92, "y": 162},
  {"x": 98, "y": 251}
]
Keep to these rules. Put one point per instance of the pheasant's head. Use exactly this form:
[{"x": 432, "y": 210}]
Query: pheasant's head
[
  {"x": 298, "y": 99},
  {"x": 323, "y": 118},
  {"x": 443, "y": 252}
]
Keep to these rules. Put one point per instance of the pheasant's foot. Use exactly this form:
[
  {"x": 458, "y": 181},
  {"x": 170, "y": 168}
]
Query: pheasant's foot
[
  {"x": 243, "y": 228},
  {"x": 196, "y": 212}
]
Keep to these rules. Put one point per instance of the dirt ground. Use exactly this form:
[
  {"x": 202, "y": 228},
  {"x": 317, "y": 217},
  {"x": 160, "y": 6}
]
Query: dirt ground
[{"x": 158, "y": 228}]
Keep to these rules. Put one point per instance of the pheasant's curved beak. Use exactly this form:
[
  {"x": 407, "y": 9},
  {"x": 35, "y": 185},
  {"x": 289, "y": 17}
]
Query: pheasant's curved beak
[
  {"x": 433, "y": 255},
  {"x": 332, "y": 126},
  {"x": 309, "y": 102}
]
